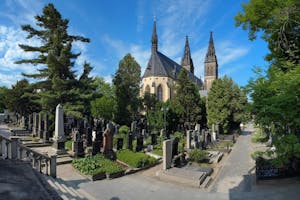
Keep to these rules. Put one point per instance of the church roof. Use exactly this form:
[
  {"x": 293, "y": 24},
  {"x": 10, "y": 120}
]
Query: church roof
[{"x": 161, "y": 65}]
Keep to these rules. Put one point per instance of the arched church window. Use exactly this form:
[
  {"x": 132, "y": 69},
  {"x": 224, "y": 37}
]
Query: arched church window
[
  {"x": 159, "y": 93},
  {"x": 147, "y": 89}
]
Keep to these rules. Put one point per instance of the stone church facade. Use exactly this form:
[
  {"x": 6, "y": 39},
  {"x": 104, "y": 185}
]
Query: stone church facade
[{"x": 161, "y": 72}]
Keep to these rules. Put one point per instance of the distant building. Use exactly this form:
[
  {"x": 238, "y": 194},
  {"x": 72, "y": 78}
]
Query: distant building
[{"x": 162, "y": 72}]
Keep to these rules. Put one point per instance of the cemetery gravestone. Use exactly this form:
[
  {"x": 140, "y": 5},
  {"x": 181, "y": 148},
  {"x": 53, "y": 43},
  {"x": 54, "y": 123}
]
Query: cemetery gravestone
[
  {"x": 133, "y": 128},
  {"x": 153, "y": 139},
  {"x": 197, "y": 127},
  {"x": 129, "y": 141},
  {"x": 46, "y": 129},
  {"x": 139, "y": 143},
  {"x": 89, "y": 137},
  {"x": 108, "y": 142},
  {"x": 175, "y": 142},
  {"x": 188, "y": 139},
  {"x": 96, "y": 142},
  {"x": 119, "y": 143},
  {"x": 40, "y": 126},
  {"x": 77, "y": 144},
  {"x": 59, "y": 134},
  {"x": 167, "y": 154}
]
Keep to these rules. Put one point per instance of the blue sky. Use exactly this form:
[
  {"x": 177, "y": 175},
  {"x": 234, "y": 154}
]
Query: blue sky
[{"x": 119, "y": 27}]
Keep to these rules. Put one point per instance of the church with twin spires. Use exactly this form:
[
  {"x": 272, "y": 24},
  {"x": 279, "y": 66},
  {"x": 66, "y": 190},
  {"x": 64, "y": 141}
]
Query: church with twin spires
[{"x": 162, "y": 72}]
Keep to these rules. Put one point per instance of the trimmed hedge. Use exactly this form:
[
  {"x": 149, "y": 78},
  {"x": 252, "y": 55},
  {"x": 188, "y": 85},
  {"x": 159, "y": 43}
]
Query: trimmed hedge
[
  {"x": 92, "y": 165},
  {"x": 137, "y": 160}
]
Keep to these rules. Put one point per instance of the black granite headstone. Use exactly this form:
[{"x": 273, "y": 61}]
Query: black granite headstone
[
  {"x": 139, "y": 143},
  {"x": 175, "y": 146},
  {"x": 119, "y": 143},
  {"x": 89, "y": 137},
  {"x": 129, "y": 141},
  {"x": 153, "y": 139}
]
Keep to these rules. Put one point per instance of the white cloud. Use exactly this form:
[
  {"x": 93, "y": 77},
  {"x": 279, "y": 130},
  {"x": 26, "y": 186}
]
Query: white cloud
[
  {"x": 228, "y": 52},
  {"x": 10, "y": 52},
  {"x": 9, "y": 80},
  {"x": 22, "y": 12},
  {"x": 177, "y": 19},
  {"x": 198, "y": 57},
  {"x": 140, "y": 53},
  {"x": 108, "y": 79}
]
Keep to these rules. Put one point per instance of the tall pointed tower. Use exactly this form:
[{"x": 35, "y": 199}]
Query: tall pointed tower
[
  {"x": 210, "y": 65},
  {"x": 187, "y": 61},
  {"x": 154, "y": 39}
]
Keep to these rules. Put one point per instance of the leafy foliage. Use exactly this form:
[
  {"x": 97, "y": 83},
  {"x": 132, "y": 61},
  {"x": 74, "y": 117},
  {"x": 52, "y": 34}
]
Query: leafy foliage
[
  {"x": 127, "y": 85},
  {"x": 225, "y": 104},
  {"x": 275, "y": 94},
  {"x": 19, "y": 100},
  {"x": 97, "y": 164},
  {"x": 279, "y": 22},
  {"x": 187, "y": 99},
  {"x": 3, "y": 99},
  {"x": 197, "y": 155},
  {"x": 123, "y": 129},
  {"x": 136, "y": 160}
]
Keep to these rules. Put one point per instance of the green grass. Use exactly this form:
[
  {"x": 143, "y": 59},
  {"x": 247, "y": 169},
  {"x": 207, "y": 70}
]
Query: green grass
[
  {"x": 97, "y": 164},
  {"x": 157, "y": 152},
  {"x": 135, "y": 159},
  {"x": 68, "y": 144}
]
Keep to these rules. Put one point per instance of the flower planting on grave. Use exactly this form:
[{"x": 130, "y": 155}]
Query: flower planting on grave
[
  {"x": 92, "y": 165},
  {"x": 197, "y": 155},
  {"x": 135, "y": 159}
]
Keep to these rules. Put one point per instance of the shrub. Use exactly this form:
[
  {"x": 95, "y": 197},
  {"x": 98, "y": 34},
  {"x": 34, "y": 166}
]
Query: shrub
[
  {"x": 133, "y": 159},
  {"x": 197, "y": 155},
  {"x": 68, "y": 144},
  {"x": 124, "y": 129},
  {"x": 179, "y": 135},
  {"x": 97, "y": 164}
]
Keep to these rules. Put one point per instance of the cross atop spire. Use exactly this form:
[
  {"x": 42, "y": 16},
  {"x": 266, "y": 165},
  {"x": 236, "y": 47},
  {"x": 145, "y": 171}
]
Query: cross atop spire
[
  {"x": 154, "y": 39},
  {"x": 211, "y": 53},
  {"x": 187, "y": 61}
]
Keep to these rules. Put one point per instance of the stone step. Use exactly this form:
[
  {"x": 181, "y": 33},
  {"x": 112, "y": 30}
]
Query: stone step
[
  {"x": 36, "y": 144},
  {"x": 65, "y": 191},
  {"x": 64, "y": 160},
  {"x": 206, "y": 182}
]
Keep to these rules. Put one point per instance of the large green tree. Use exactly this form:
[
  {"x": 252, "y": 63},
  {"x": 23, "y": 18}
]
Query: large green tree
[
  {"x": 275, "y": 94},
  {"x": 279, "y": 23},
  {"x": 19, "y": 100},
  {"x": 187, "y": 99},
  {"x": 3, "y": 98},
  {"x": 127, "y": 86},
  {"x": 55, "y": 77},
  {"x": 225, "y": 104},
  {"x": 104, "y": 105}
]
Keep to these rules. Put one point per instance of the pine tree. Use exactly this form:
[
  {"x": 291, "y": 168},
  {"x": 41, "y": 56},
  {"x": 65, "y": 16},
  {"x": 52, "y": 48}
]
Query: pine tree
[
  {"x": 187, "y": 99},
  {"x": 127, "y": 84},
  {"x": 55, "y": 79}
]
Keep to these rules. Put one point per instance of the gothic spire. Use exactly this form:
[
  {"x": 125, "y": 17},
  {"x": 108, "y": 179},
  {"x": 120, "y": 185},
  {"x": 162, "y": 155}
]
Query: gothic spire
[
  {"x": 154, "y": 39},
  {"x": 187, "y": 61},
  {"x": 211, "y": 53}
]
